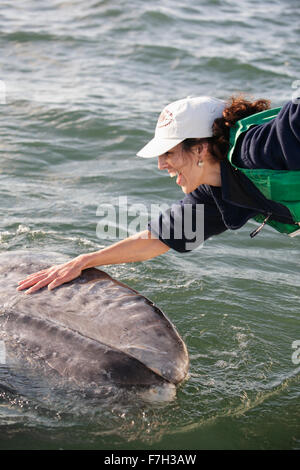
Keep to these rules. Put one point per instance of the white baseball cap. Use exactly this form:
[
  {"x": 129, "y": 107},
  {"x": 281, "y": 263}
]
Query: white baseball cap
[{"x": 183, "y": 119}]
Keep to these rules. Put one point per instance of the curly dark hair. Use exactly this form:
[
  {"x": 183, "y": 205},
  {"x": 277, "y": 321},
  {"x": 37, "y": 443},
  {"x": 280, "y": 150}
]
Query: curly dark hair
[{"x": 237, "y": 107}]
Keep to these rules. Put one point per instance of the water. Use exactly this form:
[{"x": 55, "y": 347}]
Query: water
[{"x": 82, "y": 86}]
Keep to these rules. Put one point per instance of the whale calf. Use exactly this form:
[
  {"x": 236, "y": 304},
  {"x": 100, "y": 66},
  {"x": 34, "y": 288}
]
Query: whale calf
[{"x": 93, "y": 329}]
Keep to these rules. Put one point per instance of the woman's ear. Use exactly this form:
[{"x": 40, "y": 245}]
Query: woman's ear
[{"x": 204, "y": 146}]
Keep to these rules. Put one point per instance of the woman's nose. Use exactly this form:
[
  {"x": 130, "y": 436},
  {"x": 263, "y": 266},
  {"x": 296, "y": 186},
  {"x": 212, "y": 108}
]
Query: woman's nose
[{"x": 162, "y": 162}]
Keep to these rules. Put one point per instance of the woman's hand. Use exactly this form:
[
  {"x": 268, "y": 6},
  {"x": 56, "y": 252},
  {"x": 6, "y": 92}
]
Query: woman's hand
[
  {"x": 52, "y": 277},
  {"x": 138, "y": 247}
]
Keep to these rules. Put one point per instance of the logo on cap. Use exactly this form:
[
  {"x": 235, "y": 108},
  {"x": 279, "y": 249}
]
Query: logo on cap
[{"x": 165, "y": 118}]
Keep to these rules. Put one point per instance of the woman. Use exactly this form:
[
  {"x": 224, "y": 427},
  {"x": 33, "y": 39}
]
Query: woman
[{"x": 226, "y": 157}]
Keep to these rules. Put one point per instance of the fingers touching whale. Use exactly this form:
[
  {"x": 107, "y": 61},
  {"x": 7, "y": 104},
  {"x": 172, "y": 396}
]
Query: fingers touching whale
[{"x": 92, "y": 329}]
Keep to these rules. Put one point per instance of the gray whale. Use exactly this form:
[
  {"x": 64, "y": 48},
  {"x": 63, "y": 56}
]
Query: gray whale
[{"x": 93, "y": 329}]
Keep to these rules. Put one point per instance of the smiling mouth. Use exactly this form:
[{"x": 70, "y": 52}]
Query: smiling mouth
[{"x": 173, "y": 173}]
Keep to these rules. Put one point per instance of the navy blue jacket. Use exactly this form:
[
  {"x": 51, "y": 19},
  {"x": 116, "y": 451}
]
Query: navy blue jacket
[{"x": 274, "y": 145}]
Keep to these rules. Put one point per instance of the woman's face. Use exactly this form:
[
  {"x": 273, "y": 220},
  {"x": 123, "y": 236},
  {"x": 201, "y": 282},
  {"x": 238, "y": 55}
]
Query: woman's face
[{"x": 191, "y": 167}]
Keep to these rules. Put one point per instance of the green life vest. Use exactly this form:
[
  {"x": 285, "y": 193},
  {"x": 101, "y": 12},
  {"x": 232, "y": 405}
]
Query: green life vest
[{"x": 281, "y": 186}]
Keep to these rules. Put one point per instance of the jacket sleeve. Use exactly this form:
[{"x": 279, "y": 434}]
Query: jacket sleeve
[{"x": 186, "y": 224}]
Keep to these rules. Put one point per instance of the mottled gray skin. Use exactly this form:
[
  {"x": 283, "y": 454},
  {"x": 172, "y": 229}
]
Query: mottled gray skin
[{"x": 93, "y": 329}]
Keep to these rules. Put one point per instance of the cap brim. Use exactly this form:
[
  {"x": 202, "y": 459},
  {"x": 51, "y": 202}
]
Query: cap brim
[{"x": 157, "y": 147}]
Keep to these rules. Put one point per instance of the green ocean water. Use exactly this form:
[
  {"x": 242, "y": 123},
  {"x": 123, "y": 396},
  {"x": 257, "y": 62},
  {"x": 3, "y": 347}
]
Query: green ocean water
[{"x": 82, "y": 85}]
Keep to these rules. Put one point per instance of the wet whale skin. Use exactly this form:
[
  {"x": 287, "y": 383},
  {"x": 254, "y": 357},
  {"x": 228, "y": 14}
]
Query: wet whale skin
[{"x": 93, "y": 329}]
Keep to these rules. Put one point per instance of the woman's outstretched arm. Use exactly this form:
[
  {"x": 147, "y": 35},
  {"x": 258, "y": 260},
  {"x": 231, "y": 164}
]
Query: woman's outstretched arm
[{"x": 139, "y": 247}]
